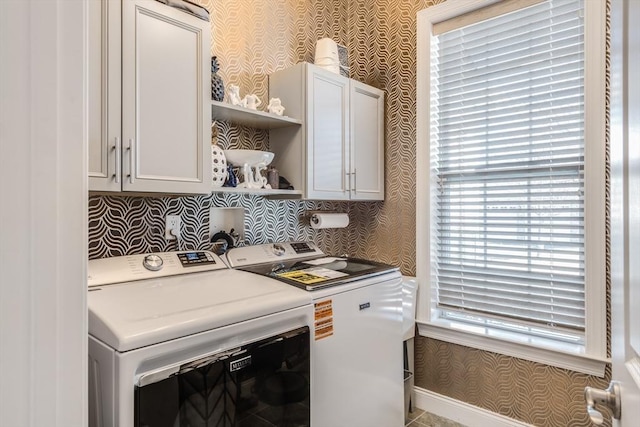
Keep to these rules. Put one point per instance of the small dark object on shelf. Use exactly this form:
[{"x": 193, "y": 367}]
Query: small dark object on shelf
[
  {"x": 284, "y": 184},
  {"x": 217, "y": 86},
  {"x": 232, "y": 179},
  {"x": 273, "y": 178}
]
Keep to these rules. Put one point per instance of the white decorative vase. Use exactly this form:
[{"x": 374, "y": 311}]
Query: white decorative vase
[{"x": 219, "y": 166}]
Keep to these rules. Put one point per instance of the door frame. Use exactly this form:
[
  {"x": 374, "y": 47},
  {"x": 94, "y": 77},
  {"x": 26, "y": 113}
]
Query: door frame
[
  {"x": 43, "y": 215},
  {"x": 625, "y": 219}
]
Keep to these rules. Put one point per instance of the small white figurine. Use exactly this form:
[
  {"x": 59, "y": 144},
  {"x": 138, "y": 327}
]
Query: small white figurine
[
  {"x": 275, "y": 106},
  {"x": 251, "y": 101},
  {"x": 234, "y": 95}
]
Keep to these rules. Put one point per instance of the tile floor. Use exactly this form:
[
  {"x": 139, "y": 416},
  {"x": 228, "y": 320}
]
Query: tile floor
[{"x": 420, "y": 418}]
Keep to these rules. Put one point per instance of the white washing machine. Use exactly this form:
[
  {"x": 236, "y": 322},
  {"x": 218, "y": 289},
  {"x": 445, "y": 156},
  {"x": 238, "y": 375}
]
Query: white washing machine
[
  {"x": 177, "y": 339},
  {"x": 356, "y": 351}
]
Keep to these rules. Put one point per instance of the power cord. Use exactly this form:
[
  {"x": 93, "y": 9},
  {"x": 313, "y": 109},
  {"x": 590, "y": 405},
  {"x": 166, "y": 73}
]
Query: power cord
[{"x": 178, "y": 239}]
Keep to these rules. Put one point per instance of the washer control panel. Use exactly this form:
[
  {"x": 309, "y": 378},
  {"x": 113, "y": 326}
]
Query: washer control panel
[
  {"x": 271, "y": 252},
  {"x": 128, "y": 268}
]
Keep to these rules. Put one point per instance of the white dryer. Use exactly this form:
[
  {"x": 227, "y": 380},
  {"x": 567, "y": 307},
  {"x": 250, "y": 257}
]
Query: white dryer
[{"x": 177, "y": 339}]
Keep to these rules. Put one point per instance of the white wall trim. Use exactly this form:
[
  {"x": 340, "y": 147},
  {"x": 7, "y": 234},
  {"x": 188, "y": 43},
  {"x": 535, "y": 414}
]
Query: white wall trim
[
  {"x": 595, "y": 131},
  {"x": 43, "y": 213},
  {"x": 461, "y": 412},
  {"x": 547, "y": 352}
]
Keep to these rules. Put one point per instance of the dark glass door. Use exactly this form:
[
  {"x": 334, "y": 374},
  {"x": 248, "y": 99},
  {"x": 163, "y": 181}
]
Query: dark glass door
[{"x": 265, "y": 383}]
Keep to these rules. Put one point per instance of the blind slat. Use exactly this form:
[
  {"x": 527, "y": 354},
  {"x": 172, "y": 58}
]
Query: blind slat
[
  {"x": 538, "y": 143},
  {"x": 513, "y": 261},
  {"x": 523, "y": 300},
  {"x": 491, "y": 248}
]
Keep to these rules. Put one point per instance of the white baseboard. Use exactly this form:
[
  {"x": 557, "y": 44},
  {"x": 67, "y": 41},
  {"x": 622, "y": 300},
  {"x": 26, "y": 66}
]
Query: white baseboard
[{"x": 461, "y": 412}]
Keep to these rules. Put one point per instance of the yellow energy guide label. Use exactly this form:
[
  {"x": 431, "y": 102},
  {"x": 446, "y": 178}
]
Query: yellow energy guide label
[{"x": 323, "y": 319}]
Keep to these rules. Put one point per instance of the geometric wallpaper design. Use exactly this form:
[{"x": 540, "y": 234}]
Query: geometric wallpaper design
[
  {"x": 130, "y": 225},
  {"x": 537, "y": 394},
  {"x": 251, "y": 40}
]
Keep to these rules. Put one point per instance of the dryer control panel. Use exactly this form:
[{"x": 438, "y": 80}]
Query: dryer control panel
[{"x": 128, "y": 268}]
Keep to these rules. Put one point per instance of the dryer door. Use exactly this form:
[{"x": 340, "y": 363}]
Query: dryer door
[{"x": 259, "y": 383}]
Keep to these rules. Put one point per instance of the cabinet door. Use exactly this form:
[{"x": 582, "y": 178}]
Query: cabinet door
[
  {"x": 367, "y": 142},
  {"x": 104, "y": 87},
  {"x": 166, "y": 112},
  {"x": 327, "y": 135}
]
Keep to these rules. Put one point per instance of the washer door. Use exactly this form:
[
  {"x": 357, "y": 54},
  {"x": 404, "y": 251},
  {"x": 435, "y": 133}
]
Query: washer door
[{"x": 262, "y": 383}]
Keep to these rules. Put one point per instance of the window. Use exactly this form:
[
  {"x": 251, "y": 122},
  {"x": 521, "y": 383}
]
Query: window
[{"x": 511, "y": 182}]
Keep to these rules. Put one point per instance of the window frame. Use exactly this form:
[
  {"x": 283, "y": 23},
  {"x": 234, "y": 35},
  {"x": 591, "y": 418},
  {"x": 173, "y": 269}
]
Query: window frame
[{"x": 590, "y": 358}]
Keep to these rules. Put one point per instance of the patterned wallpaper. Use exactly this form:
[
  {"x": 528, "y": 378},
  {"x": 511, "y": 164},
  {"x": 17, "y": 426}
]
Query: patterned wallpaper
[
  {"x": 252, "y": 39},
  {"x": 129, "y": 225}
]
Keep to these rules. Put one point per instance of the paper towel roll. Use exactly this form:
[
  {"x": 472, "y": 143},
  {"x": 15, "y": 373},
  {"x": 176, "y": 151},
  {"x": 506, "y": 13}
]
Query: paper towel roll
[{"x": 329, "y": 220}]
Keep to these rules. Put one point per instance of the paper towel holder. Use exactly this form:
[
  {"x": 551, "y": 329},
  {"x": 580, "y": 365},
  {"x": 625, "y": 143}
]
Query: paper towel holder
[{"x": 310, "y": 215}]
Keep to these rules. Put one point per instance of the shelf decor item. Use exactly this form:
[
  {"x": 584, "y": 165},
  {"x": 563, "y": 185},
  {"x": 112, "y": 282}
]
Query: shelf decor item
[
  {"x": 343, "y": 55},
  {"x": 217, "y": 85},
  {"x": 219, "y": 166},
  {"x": 273, "y": 178},
  {"x": 232, "y": 179},
  {"x": 252, "y": 163},
  {"x": 275, "y": 106},
  {"x": 234, "y": 95},
  {"x": 251, "y": 101},
  {"x": 326, "y": 55}
]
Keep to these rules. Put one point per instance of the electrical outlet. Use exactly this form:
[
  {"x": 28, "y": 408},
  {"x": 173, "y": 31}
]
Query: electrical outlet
[{"x": 172, "y": 227}]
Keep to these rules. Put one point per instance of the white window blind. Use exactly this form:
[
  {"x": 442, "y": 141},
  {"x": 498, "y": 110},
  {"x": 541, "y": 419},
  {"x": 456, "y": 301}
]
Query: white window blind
[{"x": 507, "y": 166}]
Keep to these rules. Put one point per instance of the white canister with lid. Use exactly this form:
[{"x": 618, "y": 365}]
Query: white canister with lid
[{"x": 326, "y": 55}]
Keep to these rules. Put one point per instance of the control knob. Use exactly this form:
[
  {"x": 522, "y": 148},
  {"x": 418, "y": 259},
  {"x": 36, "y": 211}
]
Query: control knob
[
  {"x": 278, "y": 249},
  {"x": 152, "y": 262}
]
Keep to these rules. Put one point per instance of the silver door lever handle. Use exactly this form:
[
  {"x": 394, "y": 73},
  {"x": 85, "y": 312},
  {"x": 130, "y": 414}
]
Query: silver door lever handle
[{"x": 609, "y": 398}]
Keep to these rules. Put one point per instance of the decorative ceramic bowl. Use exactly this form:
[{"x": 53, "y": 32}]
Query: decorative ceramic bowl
[
  {"x": 248, "y": 157},
  {"x": 252, "y": 163}
]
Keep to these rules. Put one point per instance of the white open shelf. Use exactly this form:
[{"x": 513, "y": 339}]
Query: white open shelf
[
  {"x": 246, "y": 117},
  {"x": 275, "y": 194}
]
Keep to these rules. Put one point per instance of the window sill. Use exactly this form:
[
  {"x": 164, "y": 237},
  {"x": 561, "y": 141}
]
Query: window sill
[{"x": 540, "y": 350}]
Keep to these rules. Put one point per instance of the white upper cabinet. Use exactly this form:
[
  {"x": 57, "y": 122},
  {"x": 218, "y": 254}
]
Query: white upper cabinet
[
  {"x": 367, "y": 142},
  {"x": 327, "y": 126},
  {"x": 337, "y": 153},
  {"x": 150, "y": 112}
]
